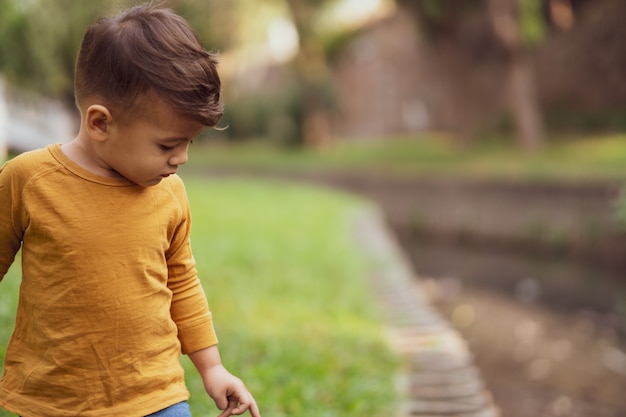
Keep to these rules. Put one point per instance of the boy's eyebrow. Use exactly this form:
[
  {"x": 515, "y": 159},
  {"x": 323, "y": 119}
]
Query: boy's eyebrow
[{"x": 176, "y": 139}]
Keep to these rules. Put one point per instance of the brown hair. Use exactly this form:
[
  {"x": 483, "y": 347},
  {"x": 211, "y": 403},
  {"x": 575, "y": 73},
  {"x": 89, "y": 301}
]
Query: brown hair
[{"x": 148, "y": 48}]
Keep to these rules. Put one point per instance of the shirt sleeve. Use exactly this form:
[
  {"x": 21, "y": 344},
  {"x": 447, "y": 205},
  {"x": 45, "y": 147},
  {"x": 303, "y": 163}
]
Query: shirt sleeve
[
  {"x": 11, "y": 216},
  {"x": 189, "y": 310}
]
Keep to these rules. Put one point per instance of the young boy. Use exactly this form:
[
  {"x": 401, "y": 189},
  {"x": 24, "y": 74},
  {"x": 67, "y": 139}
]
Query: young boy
[{"x": 110, "y": 295}]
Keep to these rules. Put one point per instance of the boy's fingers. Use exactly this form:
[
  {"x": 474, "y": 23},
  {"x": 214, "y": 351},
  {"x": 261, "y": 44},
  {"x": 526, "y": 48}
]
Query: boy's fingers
[
  {"x": 254, "y": 408},
  {"x": 222, "y": 403},
  {"x": 251, "y": 406},
  {"x": 247, "y": 403},
  {"x": 228, "y": 411}
]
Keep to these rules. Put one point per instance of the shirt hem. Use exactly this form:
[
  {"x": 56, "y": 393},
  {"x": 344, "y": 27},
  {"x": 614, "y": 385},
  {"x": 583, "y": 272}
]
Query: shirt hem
[{"x": 140, "y": 409}]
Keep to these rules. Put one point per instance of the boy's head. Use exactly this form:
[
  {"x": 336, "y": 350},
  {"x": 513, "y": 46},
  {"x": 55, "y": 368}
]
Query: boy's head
[{"x": 147, "y": 49}]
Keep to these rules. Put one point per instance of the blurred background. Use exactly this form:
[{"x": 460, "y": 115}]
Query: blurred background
[
  {"x": 317, "y": 71},
  {"x": 491, "y": 132}
]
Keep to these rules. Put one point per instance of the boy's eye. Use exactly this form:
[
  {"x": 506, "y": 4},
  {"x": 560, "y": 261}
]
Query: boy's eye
[{"x": 167, "y": 148}]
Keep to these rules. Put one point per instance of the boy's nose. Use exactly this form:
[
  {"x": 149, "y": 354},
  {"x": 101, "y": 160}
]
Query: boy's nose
[{"x": 179, "y": 158}]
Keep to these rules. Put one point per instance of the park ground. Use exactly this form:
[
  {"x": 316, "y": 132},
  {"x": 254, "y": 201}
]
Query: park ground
[{"x": 550, "y": 346}]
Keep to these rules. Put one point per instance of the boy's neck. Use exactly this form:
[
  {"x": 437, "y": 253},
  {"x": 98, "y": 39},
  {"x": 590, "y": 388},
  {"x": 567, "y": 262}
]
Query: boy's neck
[{"x": 82, "y": 154}]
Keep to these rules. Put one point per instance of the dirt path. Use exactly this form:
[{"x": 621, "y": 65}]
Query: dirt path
[{"x": 537, "y": 362}]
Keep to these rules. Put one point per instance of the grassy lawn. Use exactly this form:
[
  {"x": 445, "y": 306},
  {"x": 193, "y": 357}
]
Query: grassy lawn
[
  {"x": 287, "y": 288},
  {"x": 563, "y": 159}
]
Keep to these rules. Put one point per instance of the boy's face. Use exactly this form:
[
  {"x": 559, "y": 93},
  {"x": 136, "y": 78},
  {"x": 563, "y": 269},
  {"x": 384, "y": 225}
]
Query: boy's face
[{"x": 152, "y": 146}]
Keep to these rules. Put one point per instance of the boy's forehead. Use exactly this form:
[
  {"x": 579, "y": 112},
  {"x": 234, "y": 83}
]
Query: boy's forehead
[
  {"x": 152, "y": 105},
  {"x": 160, "y": 114}
]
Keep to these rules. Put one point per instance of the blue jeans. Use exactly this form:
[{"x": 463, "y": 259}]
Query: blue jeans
[{"x": 176, "y": 410}]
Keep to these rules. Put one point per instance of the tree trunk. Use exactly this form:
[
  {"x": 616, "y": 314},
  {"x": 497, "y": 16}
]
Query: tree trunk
[
  {"x": 524, "y": 102},
  {"x": 523, "y": 99},
  {"x": 313, "y": 71}
]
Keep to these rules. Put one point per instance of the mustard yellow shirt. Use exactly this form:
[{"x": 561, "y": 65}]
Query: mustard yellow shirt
[{"x": 109, "y": 294}]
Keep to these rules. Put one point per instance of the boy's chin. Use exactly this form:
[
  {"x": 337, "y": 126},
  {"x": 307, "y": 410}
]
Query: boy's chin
[{"x": 147, "y": 183}]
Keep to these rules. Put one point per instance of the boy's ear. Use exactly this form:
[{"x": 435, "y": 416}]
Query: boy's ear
[{"x": 98, "y": 119}]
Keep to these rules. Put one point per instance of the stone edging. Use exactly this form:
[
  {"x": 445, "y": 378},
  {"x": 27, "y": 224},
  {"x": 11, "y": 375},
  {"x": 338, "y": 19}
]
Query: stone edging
[{"x": 438, "y": 376}]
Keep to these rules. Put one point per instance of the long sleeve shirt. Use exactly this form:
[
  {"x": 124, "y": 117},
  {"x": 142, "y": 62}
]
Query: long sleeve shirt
[{"x": 109, "y": 294}]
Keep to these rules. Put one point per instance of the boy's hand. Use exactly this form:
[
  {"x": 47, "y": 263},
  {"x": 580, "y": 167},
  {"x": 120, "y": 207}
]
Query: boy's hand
[{"x": 229, "y": 393}]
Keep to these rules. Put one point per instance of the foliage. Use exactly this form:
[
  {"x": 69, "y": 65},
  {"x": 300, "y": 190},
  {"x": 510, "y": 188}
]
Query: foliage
[
  {"x": 272, "y": 113},
  {"x": 440, "y": 18},
  {"x": 532, "y": 22},
  {"x": 39, "y": 40},
  {"x": 286, "y": 285},
  {"x": 39, "y": 53},
  {"x": 213, "y": 20}
]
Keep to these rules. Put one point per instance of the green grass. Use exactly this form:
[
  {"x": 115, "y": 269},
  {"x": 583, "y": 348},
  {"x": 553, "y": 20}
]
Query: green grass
[
  {"x": 286, "y": 285},
  {"x": 9, "y": 288},
  {"x": 563, "y": 159}
]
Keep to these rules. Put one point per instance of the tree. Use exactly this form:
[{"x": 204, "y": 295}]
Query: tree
[
  {"x": 518, "y": 26},
  {"x": 39, "y": 39},
  {"x": 312, "y": 72}
]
